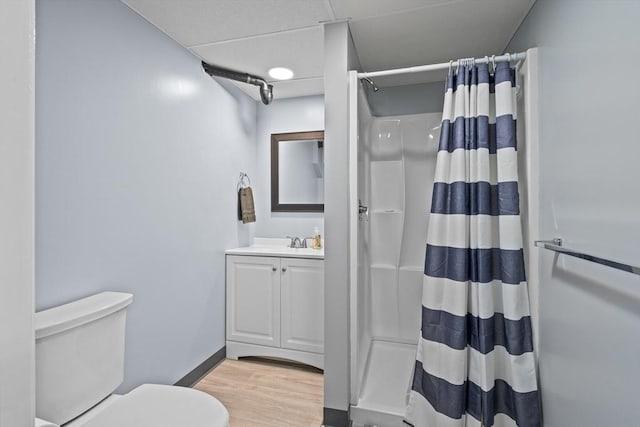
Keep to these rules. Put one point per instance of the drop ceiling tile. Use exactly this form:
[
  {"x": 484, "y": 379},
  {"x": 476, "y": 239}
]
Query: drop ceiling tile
[
  {"x": 195, "y": 22},
  {"x": 300, "y": 50},
  {"x": 436, "y": 34},
  {"x": 359, "y": 9}
]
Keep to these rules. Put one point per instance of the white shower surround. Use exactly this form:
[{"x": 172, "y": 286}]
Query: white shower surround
[
  {"x": 392, "y": 171},
  {"x": 396, "y": 168}
]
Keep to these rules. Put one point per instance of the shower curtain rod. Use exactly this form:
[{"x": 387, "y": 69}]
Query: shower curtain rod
[{"x": 444, "y": 65}]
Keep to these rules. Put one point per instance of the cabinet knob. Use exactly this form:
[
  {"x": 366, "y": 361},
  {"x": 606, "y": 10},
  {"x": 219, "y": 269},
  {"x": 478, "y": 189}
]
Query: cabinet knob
[
  {"x": 273, "y": 268},
  {"x": 284, "y": 269}
]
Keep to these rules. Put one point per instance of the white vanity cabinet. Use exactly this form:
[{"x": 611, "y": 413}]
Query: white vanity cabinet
[
  {"x": 275, "y": 308},
  {"x": 302, "y": 304},
  {"x": 253, "y": 300}
]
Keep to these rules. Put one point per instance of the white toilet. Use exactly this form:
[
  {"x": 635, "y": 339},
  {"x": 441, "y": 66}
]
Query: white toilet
[{"x": 80, "y": 362}]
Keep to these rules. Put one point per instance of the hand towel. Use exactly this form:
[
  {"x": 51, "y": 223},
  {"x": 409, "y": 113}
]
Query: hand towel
[{"x": 246, "y": 210}]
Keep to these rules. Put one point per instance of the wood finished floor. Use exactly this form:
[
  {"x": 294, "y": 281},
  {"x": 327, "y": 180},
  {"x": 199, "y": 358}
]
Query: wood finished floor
[{"x": 265, "y": 393}]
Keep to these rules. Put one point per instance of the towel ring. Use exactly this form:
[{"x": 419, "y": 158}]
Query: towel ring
[{"x": 243, "y": 181}]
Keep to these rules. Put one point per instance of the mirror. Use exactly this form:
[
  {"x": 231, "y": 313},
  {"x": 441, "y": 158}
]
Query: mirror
[{"x": 297, "y": 172}]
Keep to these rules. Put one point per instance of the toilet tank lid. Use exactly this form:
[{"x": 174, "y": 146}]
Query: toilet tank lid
[{"x": 61, "y": 318}]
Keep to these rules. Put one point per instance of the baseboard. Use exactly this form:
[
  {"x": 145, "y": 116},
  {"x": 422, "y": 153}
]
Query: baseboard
[
  {"x": 335, "y": 418},
  {"x": 202, "y": 369}
]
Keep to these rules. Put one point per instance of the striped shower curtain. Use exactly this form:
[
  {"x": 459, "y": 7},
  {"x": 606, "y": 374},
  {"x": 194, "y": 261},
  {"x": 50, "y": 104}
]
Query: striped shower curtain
[{"x": 475, "y": 363}]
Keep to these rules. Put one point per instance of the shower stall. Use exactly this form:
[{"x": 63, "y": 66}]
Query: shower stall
[{"x": 392, "y": 165}]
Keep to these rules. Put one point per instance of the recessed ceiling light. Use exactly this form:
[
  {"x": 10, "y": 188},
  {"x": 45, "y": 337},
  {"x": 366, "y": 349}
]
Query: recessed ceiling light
[{"x": 280, "y": 73}]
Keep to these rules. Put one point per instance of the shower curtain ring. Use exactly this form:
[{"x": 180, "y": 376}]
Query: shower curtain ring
[
  {"x": 450, "y": 66},
  {"x": 493, "y": 63}
]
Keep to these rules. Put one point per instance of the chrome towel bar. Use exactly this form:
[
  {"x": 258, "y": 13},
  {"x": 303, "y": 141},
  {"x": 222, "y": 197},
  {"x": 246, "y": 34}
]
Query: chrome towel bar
[{"x": 556, "y": 246}]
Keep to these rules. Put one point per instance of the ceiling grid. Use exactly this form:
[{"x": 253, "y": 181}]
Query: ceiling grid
[{"x": 253, "y": 36}]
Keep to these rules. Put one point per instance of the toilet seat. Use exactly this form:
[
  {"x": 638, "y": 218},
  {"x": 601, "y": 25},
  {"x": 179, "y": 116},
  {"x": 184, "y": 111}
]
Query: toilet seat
[{"x": 152, "y": 405}]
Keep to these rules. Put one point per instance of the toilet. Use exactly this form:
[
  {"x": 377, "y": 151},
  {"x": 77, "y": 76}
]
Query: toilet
[{"x": 80, "y": 363}]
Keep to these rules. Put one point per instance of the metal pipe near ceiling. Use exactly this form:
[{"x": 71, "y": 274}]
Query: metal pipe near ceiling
[{"x": 266, "y": 90}]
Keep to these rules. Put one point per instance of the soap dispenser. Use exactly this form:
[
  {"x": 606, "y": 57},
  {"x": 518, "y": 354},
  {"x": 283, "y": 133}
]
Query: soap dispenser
[{"x": 317, "y": 239}]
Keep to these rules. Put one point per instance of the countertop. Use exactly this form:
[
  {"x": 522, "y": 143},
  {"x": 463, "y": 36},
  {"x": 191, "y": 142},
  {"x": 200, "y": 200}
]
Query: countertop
[{"x": 276, "y": 247}]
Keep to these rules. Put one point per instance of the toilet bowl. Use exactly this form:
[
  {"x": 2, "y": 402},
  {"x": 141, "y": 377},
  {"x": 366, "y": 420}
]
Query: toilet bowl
[{"x": 80, "y": 362}]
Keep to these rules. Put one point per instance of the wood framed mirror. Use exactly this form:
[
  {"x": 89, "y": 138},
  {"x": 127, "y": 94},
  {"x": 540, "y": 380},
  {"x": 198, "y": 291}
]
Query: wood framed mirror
[{"x": 297, "y": 172}]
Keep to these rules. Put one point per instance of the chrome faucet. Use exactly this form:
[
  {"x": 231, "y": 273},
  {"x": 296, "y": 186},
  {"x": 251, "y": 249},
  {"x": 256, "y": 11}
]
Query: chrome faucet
[{"x": 296, "y": 242}]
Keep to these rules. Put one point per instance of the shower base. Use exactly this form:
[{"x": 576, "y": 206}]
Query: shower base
[{"x": 385, "y": 385}]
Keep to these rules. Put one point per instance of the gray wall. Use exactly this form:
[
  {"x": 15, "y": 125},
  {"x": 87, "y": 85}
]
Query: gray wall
[
  {"x": 589, "y": 151},
  {"x": 17, "y": 394},
  {"x": 408, "y": 99},
  {"x": 138, "y": 153},
  {"x": 283, "y": 115}
]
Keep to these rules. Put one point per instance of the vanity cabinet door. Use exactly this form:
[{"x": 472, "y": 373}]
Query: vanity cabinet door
[
  {"x": 253, "y": 299},
  {"x": 302, "y": 304}
]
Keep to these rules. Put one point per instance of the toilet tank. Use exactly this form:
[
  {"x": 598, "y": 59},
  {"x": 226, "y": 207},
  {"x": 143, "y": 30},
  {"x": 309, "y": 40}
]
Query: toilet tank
[{"x": 79, "y": 354}]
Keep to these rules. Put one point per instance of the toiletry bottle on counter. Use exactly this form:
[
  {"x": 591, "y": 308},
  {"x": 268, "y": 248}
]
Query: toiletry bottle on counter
[{"x": 317, "y": 239}]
